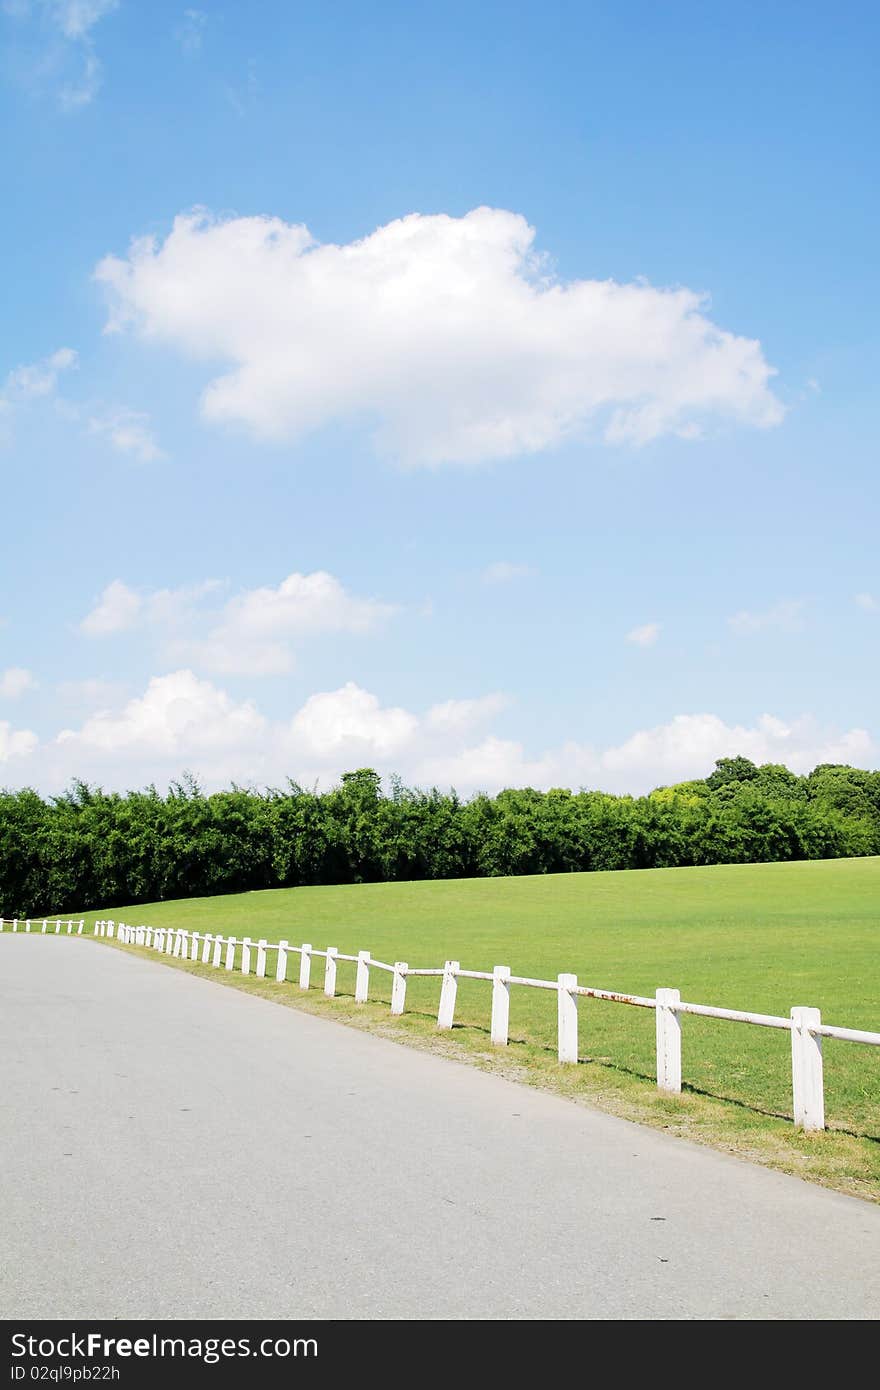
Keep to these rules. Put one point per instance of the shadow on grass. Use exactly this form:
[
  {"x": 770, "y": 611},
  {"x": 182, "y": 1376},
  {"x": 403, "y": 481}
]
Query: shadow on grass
[{"x": 637, "y": 1074}]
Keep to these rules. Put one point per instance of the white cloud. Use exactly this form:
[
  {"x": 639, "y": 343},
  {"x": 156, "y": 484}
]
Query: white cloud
[
  {"x": 14, "y": 681},
  {"x": 644, "y": 636},
  {"x": 782, "y": 617},
  {"x": 448, "y": 334},
  {"x": 76, "y": 18},
  {"x": 191, "y": 30},
  {"x": 256, "y": 627},
  {"x": 868, "y": 602},
  {"x": 117, "y": 610},
  {"x": 16, "y": 743},
  {"x": 128, "y": 431},
  {"x": 502, "y": 572},
  {"x": 182, "y": 721},
  {"x": 37, "y": 379},
  {"x": 69, "y": 24},
  {"x": 350, "y": 723},
  {"x": 253, "y": 633},
  {"x": 690, "y": 743},
  {"x": 178, "y": 716},
  {"x": 459, "y": 716}
]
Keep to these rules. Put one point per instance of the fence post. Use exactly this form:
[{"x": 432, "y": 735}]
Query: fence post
[
  {"x": 217, "y": 952},
  {"x": 110, "y": 927},
  {"x": 206, "y": 947},
  {"x": 305, "y": 965},
  {"x": 194, "y": 940},
  {"x": 27, "y": 925},
  {"x": 807, "y": 1085},
  {"x": 567, "y": 1017},
  {"x": 500, "y": 1004},
  {"x": 398, "y": 986},
  {"x": 43, "y": 928},
  {"x": 169, "y": 940},
  {"x": 246, "y": 955},
  {"x": 15, "y": 924},
  {"x": 668, "y": 1030},
  {"x": 58, "y": 928},
  {"x": 330, "y": 972},
  {"x": 362, "y": 982},
  {"x": 231, "y": 943},
  {"x": 261, "y": 958},
  {"x": 281, "y": 966},
  {"x": 448, "y": 991},
  {"x": 69, "y": 927}
]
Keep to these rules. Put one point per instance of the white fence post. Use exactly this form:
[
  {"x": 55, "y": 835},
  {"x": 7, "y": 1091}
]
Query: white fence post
[
  {"x": 58, "y": 928},
  {"x": 500, "y": 1004},
  {"x": 218, "y": 952},
  {"x": 305, "y": 965},
  {"x": 281, "y": 967},
  {"x": 169, "y": 941},
  {"x": 807, "y": 1085},
  {"x": 43, "y": 927},
  {"x": 206, "y": 947},
  {"x": 27, "y": 925},
  {"x": 668, "y": 1030},
  {"x": 194, "y": 946},
  {"x": 15, "y": 924},
  {"x": 231, "y": 943},
  {"x": 246, "y": 955},
  {"x": 178, "y": 944},
  {"x": 330, "y": 972},
  {"x": 110, "y": 926},
  {"x": 448, "y": 991},
  {"x": 398, "y": 986},
  {"x": 567, "y": 1018},
  {"x": 261, "y": 958},
  {"x": 362, "y": 982},
  {"x": 69, "y": 927}
]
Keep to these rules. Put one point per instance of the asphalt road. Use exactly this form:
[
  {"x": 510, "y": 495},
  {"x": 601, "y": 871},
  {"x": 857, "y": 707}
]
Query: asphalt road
[{"x": 173, "y": 1148}]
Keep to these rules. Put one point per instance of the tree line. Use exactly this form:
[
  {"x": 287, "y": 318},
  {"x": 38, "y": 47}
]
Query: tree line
[{"x": 92, "y": 849}]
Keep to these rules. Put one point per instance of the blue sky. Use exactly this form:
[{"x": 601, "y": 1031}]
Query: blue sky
[{"x": 588, "y": 504}]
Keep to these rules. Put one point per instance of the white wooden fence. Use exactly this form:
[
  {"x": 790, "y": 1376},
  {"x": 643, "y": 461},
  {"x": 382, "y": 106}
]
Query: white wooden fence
[
  {"x": 57, "y": 928},
  {"x": 804, "y": 1024}
]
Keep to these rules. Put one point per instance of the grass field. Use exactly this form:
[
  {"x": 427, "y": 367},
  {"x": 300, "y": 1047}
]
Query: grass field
[{"x": 760, "y": 937}]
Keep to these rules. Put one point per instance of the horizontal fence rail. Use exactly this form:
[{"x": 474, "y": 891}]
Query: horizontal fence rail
[{"x": 251, "y": 957}]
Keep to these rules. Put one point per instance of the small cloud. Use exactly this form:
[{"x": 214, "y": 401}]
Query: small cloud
[
  {"x": 241, "y": 98},
  {"x": 782, "y": 617},
  {"x": 502, "y": 572},
  {"x": 69, "y": 24},
  {"x": 37, "y": 379},
  {"x": 190, "y": 31},
  {"x": 644, "y": 636},
  {"x": 14, "y": 681},
  {"x": 458, "y": 716},
  {"x": 129, "y": 432},
  {"x": 868, "y": 602},
  {"x": 117, "y": 609}
]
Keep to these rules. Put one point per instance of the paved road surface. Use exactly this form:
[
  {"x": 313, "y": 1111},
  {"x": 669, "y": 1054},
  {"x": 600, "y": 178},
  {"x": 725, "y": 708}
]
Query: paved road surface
[{"x": 174, "y": 1148}]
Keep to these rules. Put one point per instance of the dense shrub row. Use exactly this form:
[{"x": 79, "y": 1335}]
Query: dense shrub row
[{"x": 90, "y": 848}]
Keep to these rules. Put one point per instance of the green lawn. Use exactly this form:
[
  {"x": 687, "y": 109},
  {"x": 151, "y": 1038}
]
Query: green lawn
[{"x": 760, "y": 937}]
